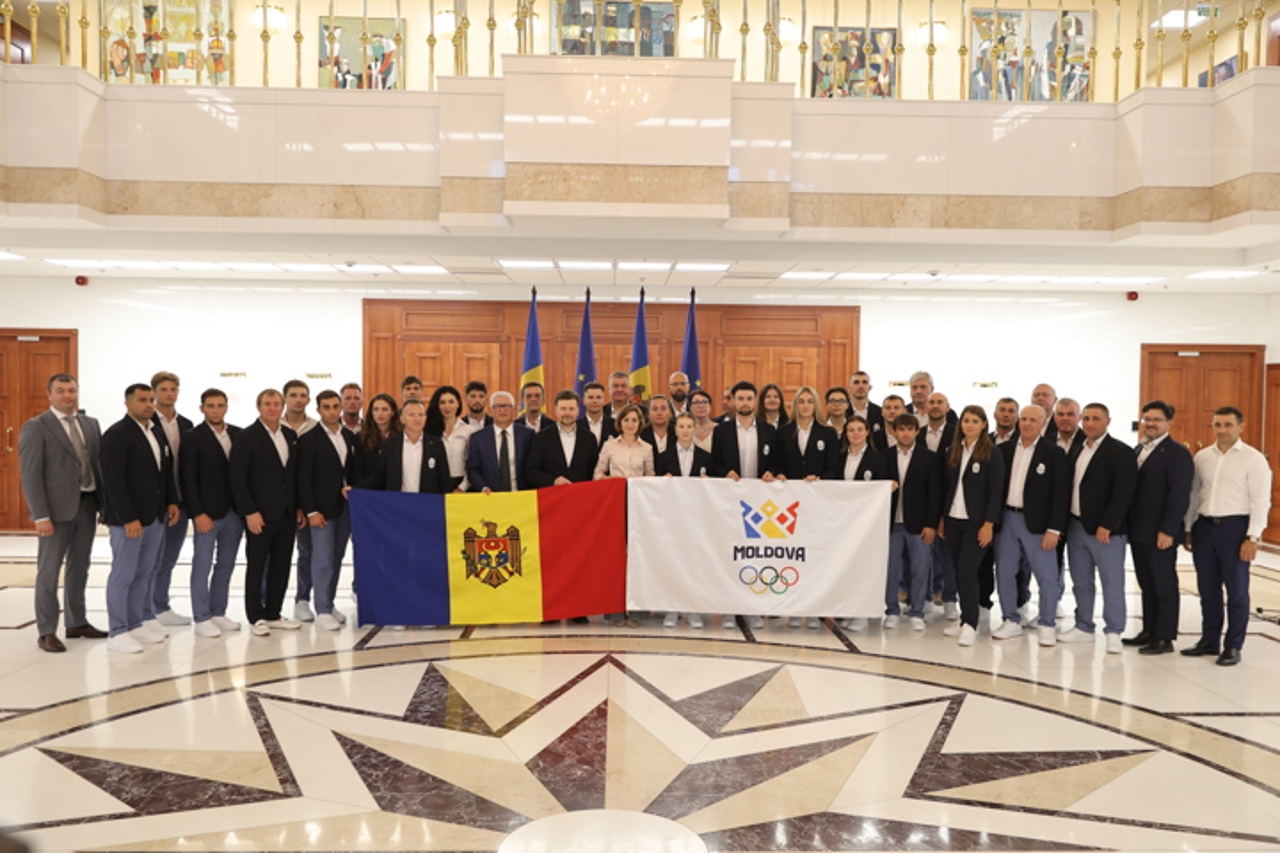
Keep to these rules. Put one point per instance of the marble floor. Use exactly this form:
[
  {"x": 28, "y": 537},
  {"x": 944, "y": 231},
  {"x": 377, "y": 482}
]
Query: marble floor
[{"x": 572, "y": 738}]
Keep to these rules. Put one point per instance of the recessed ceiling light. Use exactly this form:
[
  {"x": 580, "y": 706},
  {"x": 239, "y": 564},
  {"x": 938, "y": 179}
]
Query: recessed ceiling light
[
  {"x": 10, "y": 256},
  {"x": 420, "y": 269},
  {"x": 140, "y": 266},
  {"x": 644, "y": 266},
  {"x": 585, "y": 266},
  {"x": 250, "y": 266},
  {"x": 526, "y": 265},
  {"x": 691, "y": 266},
  {"x": 1023, "y": 279},
  {"x": 805, "y": 275},
  {"x": 79, "y": 263},
  {"x": 194, "y": 266},
  {"x": 969, "y": 278},
  {"x": 912, "y": 276},
  {"x": 366, "y": 269},
  {"x": 1224, "y": 275},
  {"x": 1133, "y": 279},
  {"x": 307, "y": 267},
  {"x": 1074, "y": 279},
  {"x": 862, "y": 276}
]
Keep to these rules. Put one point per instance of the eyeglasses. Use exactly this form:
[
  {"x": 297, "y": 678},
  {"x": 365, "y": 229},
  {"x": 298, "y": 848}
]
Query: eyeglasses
[{"x": 497, "y": 406}]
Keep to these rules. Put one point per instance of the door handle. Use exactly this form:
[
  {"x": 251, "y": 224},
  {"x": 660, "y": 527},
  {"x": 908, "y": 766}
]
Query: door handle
[{"x": 8, "y": 440}]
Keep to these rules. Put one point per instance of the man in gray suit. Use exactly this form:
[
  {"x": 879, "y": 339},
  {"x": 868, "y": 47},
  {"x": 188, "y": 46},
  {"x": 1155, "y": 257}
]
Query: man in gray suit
[{"x": 61, "y": 480}]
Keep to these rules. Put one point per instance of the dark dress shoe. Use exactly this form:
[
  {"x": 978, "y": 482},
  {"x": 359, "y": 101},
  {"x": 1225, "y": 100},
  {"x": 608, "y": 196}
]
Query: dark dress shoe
[
  {"x": 86, "y": 632},
  {"x": 1229, "y": 657},
  {"x": 1142, "y": 639},
  {"x": 1157, "y": 647},
  {"x": 1200, "y": 649},
  {"x": 580, "y": 620},
  {"x": 51, "y": 643}
]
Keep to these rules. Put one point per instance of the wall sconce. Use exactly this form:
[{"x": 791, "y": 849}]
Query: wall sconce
[
  {"x": 446, "y": 25},
  {"x": 788, "y": 32},
  {"x": 939, "y": 33},
  {"x": 277, "y": 20},
  {"x": 692, "y": 31}
]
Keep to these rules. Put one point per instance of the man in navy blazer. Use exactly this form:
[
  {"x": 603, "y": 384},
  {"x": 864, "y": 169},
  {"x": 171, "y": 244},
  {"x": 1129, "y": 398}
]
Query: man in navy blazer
[
  {"x": 326, "y": 467},
  {"x": 205, "y": 474},
  {"x": 914, "y": 513},
  {"x": 1104, "y": 473},
  {"x": 1037, "y": 488},
  {"x": 264, "y": 478},
  {"x": 174, "y": 426},
  {"x": 727, "y": 452},
  {"x": 1156, "y": 527},
  {"x": 484, "y": 473},
  {"x": 141, "y": 499},
  {"x": 547, "y": 465},
  {"x": 390, "y": 472}
]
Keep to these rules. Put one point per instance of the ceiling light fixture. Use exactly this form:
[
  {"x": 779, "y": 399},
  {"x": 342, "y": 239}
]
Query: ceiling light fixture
[
  {"x": 1224, "y": 275},
  {"x": 585, "y": 266},
  {"x": 805, "y": 275},
  {"x": 695, "y": 266},
  {"x": 644, "y": 266},
  {"x": 862, "y": 276},
  {"x": 526, "y": 265},
  {"x": 420, "y": 269}
]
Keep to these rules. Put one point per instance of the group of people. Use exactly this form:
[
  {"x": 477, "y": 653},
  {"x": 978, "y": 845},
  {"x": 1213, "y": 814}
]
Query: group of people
[{"x": 978, "y": 508}]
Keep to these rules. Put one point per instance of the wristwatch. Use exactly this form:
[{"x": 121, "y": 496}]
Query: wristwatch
[{"x": 1255, "y": 539}]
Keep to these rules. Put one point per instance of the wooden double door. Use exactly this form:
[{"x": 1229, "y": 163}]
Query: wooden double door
[{"x": 28, "y": 357}]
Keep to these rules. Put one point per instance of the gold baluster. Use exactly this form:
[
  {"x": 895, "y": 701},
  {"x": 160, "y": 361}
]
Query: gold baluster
[
  {"x": 1138, "y": 45},
  {"x": 898, "y": 50},
  {"x": 84, "y": 35},
  {"x": 1242, "y": 24},
  {"x": 1212, "y": 38},
  {"x": 675, "y": 30},
  {"x": 1027, "y": 54},
  {"x": 997, "y": 50},
  {"x": 131, "y": 33},
  {"x": 745, "y": 29},
  {"x": 33, "y": 10},
  {"x": 931, "y": 50},
  {"x": 6, "y": 9},
  {"x": 1060, "y": 55},
  {"x": 1186, "y": 41},
  {"x": 164, "y": 43},
  {"x": 964, "y": 50},
  {"x": 1160, "y": 43},
  {"x": 266, "y": 44},
  {"x": 231, "y": 41},
  {"x": 63, "y": 34},
  {"x": 1258, "y": 15},
  {"x": 804, "y": 44},
  {"x": 297, "y": 44},
  {"x": 200, "y": 47},
  {"x": 103, "y": 34},
  {"x": 1093, "y": 51},
  {"x": 1116, "y": 53},
  {"x": 635, "y": 27}
]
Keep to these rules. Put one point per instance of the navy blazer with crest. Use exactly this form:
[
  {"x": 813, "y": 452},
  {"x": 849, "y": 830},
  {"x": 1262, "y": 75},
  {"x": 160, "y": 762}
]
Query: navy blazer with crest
[
  {"x": 1046, "y": 493},
  {"x": 874, "y": 465},
  {"x": 136, "y": 488},
  {"x": 922, "y": 488},
  {"x": 668, "y": 461},
  {"x": 983, "y": 484},
  {"x": 205, "y": 472},
  {"x": 322, "y": 473},
  {"x": 724, "y": 449},
  {"x": 387, "y": 472},
  {"x": 1106, "y": 490},
  {"x": 259, "y": 482},
  {"x": 821, "y": 453}
]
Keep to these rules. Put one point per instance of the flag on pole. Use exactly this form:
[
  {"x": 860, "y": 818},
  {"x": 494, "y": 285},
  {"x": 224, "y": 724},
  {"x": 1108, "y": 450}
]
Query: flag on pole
[
  {"x": 531, "y": 370},
  {"x": 690, "y": 364},
  {"x": 641, "y": 382},
  {"x": 586, "y": 369}
]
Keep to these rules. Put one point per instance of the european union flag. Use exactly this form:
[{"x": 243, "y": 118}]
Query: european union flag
[{"x": 586, "y": 370}]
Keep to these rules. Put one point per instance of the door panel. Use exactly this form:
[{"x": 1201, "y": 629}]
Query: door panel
[{"x": 1197, "y": 379}]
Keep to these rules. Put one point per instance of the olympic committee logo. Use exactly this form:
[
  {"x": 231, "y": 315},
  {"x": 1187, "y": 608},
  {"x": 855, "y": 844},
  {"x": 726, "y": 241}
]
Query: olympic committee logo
[
  {"x": 769, "y": 521},
  {"x": 769, "y": 579}
]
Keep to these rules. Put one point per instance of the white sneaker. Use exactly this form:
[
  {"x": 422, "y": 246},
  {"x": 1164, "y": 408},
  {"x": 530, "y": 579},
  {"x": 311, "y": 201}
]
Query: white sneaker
[
  {"x": 302, "y": 611},
  {"x": 155, "y": 626},
  {"x": 795, "y": 622},
  {"x": 1114, "y": 646},
  {"x": 1007, "y": 630},
  {"x": 339, "y": 615},
  {"x": 950, "y": 610},
  {"x": 1023, "y": 610},
  {"x": 144, "y": 637},
  {"x": 1048, "y": 635},
  {"x": 967, "y": 636},
  {"x": 284, "y": 623},
  {"x": 260, "y": 628},
  {"x": 857, "y": 624},
  {"x": 1062, "y": 611},
  {"x": 172, "y": 619},
  {"x": 327, "y": 622},
  {"x": 671, "y": 620},
  {"x": 695, "y": 620},
  {"x": 917, "y": 623},
  {"x": 815, "y": 623},
  {"x": 729, "y": 623},
  {"x": 207, "y": 629},
  {"x": 225, "y": 624},
  {"x": 984, "y": 618},
  {"x": 124, "y": 644},
  {"x": 891, "y": 621},
  {"x": 1075, "y": 635},
  {"x": 952, "y": 630},
  {"x": 756, "y": 622}
]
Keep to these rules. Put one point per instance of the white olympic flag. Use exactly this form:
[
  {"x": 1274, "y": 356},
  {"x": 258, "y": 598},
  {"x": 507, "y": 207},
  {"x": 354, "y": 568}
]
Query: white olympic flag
[{"x": 750, "y": 547}]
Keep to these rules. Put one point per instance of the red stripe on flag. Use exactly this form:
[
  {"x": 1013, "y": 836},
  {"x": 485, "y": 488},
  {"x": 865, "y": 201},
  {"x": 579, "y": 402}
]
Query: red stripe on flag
[{"x": 583, "y": 532}]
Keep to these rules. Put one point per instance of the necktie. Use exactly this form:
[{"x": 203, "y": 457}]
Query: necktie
[
  {"x": 504, "y": 464},
  {"x": 86, "y": 475}
]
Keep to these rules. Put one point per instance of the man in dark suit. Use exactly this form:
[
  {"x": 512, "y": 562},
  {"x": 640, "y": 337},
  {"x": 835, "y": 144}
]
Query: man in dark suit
[
  {"x": 1037, "y": 493},
  {"x": 174, "y": 426},
  {"x": 890, "y": 408},
  {"x": 1065, "y": 429},
  {"x": 566, "y": 454},
  {"x": 58, "y": 453},
  {"x": 1103, "y": 474},
  {"x": 532, "y": 398},
  {"x": 1006, "y": 420},
  {"x": 497, "y": 453},
  {"x": 264, "y": 464},
  {"x": 477, "y": 394},
  {"x": 745, "y": 447},
  {"x": 413, "y": 462},
  {"x": 936, "y": 433},
  {"x": 594, "y": 417},
  {"x": 915, "y": 512},
  {"x": 326, "y": 467},
  {"x": 141, "y": 497},
  {"x": 860, "y": 404},
  {"x": 921, "y": 385},
  {"x": 205, "y": 474},
  {"x": 1156, "y": 527}
]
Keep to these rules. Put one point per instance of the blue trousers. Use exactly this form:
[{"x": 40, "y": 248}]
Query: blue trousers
[
  {"x": 209, "y": 595},
  {"x": 1014, "y": 544},
  {"x": 1085, "y": 554},
  {"x": 304, "y": 564},
  {"x": 1216, "y": 553},
  {"x": 133, "y": 568},
  {"x": 943, "y": 570},
  {"x": 907, "y": 550},
  {"x": 173, "y": 538},
  {"x": 329, "y": 546}
]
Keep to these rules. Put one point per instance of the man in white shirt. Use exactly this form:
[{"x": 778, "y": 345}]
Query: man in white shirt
[
  {"x": 860, "y": 402},
  {"x": 1006, "y": 417},
  {"x": 595, "y": 419},
  {"x": 532, "y": 395},
  {"x": 1230, "y": 500},
  {"x": 619, "y": 392},
  {"x": 678, "y": 392},
  {"x": 166, "y": 385},
  {"x": 297, "y": 394},
  {"x": 477, "y": 396},
  {"x": 326, "y": 468},
  {"x": 1066, "y": 425},
  {"x": 352, "y": 404}
]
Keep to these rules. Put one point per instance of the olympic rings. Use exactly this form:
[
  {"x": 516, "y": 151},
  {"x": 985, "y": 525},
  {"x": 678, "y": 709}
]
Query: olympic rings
[{"x": 759, "y": 580}]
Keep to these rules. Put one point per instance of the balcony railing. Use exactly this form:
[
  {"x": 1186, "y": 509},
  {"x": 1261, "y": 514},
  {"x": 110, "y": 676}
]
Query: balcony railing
[{"x": 886, "y": 49}]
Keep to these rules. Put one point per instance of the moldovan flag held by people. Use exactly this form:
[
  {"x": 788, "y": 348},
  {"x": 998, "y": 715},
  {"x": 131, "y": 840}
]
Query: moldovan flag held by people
[{"x": 472, "y": 559}]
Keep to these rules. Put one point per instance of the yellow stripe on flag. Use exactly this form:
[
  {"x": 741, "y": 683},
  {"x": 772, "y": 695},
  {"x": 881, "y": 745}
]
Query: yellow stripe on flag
[{"x": 494, "y": 538}]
